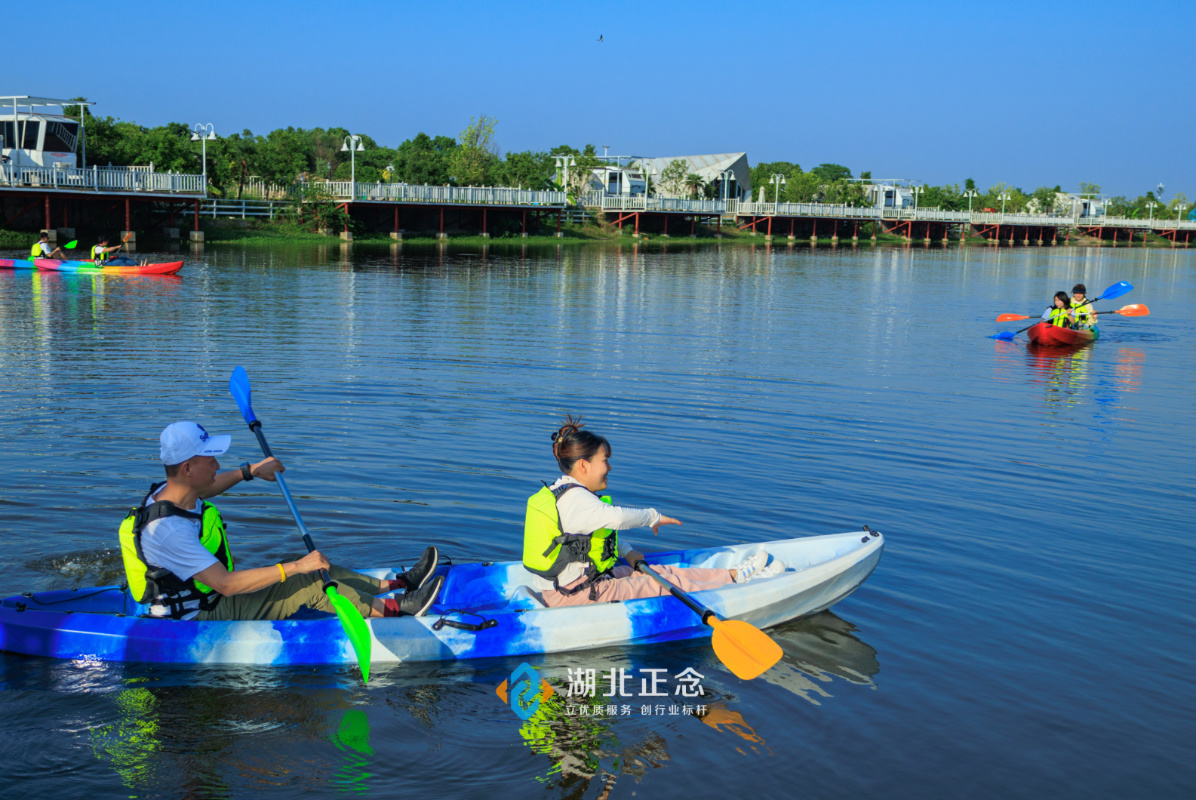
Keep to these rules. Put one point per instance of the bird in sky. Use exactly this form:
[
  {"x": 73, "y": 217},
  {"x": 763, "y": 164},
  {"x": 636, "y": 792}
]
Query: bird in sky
[{"x": 600, "y": 38}]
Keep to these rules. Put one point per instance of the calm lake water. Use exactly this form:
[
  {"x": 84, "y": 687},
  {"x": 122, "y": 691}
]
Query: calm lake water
[{"x": 1028, "y": 633}]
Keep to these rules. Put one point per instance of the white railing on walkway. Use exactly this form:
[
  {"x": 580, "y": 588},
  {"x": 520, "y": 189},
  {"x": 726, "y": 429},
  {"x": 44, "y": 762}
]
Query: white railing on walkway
[
  {"x": 101, "y": 179},
  {"x": 243, "y": 208},
  {"x": 638, "y": 202},
  {"x": 457, "y": 195}
]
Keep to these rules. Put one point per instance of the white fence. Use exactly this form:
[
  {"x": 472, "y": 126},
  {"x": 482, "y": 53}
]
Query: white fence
[
  {"x": 442, "y": 195},
  {"x": 101, "y": 179},
  {"x": 244, "y": 209},
  {"x": 639, "y": 202}
]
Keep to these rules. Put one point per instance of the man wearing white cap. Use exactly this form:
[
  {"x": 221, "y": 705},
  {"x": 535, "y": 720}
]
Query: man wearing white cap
[{"x": 178, "y": 560}]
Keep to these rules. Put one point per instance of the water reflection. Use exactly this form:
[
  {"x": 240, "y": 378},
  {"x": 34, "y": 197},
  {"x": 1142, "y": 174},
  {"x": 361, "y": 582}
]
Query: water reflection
[{"x": 1062, "y": 371}]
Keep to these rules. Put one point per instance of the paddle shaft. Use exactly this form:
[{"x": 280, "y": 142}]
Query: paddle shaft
[
  {"x": 256, "y": 427},
  {"x": 694, "y": 605}
]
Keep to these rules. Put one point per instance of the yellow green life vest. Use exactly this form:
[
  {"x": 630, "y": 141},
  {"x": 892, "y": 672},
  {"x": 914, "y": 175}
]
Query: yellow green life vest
[
  {"x": 547, "y": 549},
  {"x": 1083, "y": 313},
  {"x": 1060, "y": 317},
  {"x": 149, "y": 584},
  {"x": 98, "y": 258},
  {"x": 36, "y": 252}
]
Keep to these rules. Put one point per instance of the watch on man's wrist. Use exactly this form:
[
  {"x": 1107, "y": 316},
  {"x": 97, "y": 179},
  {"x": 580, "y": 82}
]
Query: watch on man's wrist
[{"x": 246, "y": 473}]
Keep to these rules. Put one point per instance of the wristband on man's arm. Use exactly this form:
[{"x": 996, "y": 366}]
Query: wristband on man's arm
[{"x": 246, "y": 472}]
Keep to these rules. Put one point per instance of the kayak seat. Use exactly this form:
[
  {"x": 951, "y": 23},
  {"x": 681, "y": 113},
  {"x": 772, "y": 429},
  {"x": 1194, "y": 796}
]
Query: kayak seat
[{"x": 524, "y": 598}]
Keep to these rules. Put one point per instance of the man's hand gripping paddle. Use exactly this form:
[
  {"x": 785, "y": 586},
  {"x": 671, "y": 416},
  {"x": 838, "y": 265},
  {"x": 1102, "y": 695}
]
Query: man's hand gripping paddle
[
  {"x": 1116, "y": 290},
  {"x": 351, "y": 619},
  {"x": 742, "y": 647}
]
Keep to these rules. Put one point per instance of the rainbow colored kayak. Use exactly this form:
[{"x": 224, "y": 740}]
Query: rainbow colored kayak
[
  {"x": 52, "y": 265},
  {"x": 484, "y": 610}
]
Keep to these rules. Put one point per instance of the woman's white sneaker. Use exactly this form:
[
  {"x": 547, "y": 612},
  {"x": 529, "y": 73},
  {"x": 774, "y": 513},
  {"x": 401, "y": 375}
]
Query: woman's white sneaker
[
  {"x": 772, "y": 570},
  {"x": 745, "y": 569}
]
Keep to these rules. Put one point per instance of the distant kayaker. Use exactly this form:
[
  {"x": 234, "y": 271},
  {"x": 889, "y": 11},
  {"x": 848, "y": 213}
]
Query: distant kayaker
[
  {"x": 1060, "y": 313},
  {"x": 41, "y": 249},
  {"x": 1084, "y": 311},
  {"x": 178, "y": 560},
  {"x": 571, "y": 535}
]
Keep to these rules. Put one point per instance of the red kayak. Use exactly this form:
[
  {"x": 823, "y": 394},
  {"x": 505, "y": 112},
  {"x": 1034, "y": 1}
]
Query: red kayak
[{"x": 1049, "y": 335}]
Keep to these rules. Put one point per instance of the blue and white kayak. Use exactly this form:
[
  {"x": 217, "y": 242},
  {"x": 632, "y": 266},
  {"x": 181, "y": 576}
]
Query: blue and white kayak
[{"x": 106, "y": 624}]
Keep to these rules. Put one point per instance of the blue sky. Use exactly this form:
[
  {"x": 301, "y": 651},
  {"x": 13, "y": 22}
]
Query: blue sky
[{"x": 1026, "y": 93}]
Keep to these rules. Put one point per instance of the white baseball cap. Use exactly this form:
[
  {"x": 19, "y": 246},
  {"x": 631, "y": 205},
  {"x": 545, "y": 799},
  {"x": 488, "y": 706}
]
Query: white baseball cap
[{"x": 184, "y": 440}]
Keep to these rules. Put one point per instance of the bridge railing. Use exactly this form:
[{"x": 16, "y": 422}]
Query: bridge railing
[
  {"x": 102, "y": 179},
  {"x": 462, "y": 195},
  {"x": 638, "y": 202}
]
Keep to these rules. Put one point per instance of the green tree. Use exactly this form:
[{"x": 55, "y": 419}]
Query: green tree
[
  {"x": 969, "y": 185},
  {"x": 1044, "y": 200},
  {"x": 762, "y": 174},
  {"x": 831, "y": 172},
  {"x": 530, "y": 169},
  {"x": 424, "y": 159},
  {"x": 695, "y": 184},
  {"x": 475, "y": 157},
  {"x": 1089, "y": 188},
  {"x": 804, "y": 187},
  {"x": 672, "y": 178}
]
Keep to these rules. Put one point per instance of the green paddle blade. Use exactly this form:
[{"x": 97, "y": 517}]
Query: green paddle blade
[
  {"x": 71, "y": 244},
  {"x": 355, "y": 628}
]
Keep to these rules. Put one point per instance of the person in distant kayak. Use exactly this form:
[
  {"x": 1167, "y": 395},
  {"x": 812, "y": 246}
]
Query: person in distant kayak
[
  {"x": 102, "y": 255},
  {"x": 178, "y": 560},
  {"x": 571, "y": 534},
  {"x": 41, "y": 249},
  {"x": 1060, "y": 314},
  {"x": 1083, "y": 309}
]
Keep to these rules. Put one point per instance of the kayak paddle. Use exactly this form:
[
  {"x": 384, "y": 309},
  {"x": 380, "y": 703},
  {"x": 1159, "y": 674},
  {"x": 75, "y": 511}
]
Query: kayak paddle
[
  {"x": 351, "y": 619},
  {"x": 1135, "y": 310},
  {"x": 742, "y": 647},
  {"x": 70, "y": 245},
  {"x": 1116, "y": 290}
]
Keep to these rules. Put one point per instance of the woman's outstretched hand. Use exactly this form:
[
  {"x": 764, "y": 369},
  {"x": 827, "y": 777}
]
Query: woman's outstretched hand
[{"x": 664, "y": 521}]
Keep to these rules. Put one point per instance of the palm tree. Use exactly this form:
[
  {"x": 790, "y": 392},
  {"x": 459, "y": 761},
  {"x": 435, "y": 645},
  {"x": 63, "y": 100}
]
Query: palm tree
[{"x": 695, "y": 183}]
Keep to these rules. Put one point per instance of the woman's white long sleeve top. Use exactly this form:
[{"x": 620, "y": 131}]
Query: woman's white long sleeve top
[{"x": 581, "y": 511}]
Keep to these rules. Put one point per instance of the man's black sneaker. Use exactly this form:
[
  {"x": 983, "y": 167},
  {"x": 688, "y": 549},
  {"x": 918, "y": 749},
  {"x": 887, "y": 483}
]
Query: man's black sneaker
[
  {"x": 417, "y": 576},
  {"x": 418, "y": 602}
]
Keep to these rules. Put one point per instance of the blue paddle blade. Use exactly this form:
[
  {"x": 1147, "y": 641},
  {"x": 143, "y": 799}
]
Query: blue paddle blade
[
  {"x": 1116, "y": 290},
  {"x": 1003, "y": 336},
  {"x": 238, "y": 386}
]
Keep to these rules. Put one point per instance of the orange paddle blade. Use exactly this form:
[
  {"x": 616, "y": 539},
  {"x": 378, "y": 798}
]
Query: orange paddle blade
[
  {"x": 1136, "y": 310},
  {"x": 743, "y": 648},
  {"x": 1011, "y": 317}
]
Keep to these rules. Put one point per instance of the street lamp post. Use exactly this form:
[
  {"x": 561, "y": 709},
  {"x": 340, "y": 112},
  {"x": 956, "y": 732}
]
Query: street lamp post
[
  {"x": 971, "y": 194},
  {"x": 352, "y": 145},
  {"x": 1179, "y": 210},
  {"x": 1151, "y": 207},
  {"x": 201, "y": 132},
  {"x": 916, "y": 190},
  {"x": 1004, "y": 196},
  {"x": 649, "y": 171},
  {"x": 725, "y": 179},
  {"x": 779, "y": 179}
]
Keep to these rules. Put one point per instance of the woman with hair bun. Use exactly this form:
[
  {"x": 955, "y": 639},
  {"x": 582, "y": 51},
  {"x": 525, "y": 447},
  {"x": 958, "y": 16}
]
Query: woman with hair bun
[{"x": 571, "y": 535}]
